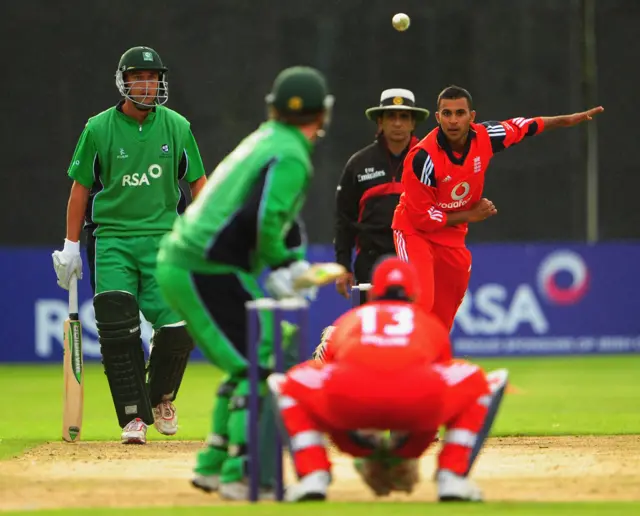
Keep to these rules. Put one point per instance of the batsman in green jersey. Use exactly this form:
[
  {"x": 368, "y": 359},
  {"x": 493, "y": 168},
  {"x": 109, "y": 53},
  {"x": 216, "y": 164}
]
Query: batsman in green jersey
[
  {"x": 243, "y": 223},
  {"x": 126, "y": 170}
]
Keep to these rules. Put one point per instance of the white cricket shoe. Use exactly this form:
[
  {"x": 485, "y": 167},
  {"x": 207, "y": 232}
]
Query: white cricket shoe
[
  {"x": 312, "y": 487},
  {"x": 240, "y": 491},
  {"x": 135, "y": 432},
  {"x": 456, "y": 488},
  {"x": 165, "y": 418},
  {"x": 208, "y": 483}
]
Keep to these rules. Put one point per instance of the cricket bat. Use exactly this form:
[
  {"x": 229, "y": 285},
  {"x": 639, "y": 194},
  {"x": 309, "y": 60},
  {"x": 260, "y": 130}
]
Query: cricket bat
[
  {"x": 318, "y": 275},
  {"x": 73, "y": 400}
]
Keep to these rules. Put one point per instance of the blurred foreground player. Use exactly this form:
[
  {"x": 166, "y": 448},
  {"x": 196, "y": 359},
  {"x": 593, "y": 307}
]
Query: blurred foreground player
[
  {"x": 443, "y": 178},
  {"x": 244, "y": 224},
  {"x": 387, "y": 366}
]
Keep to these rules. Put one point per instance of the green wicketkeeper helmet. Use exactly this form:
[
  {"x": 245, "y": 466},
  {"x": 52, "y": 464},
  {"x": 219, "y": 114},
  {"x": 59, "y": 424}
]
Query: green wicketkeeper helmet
[{"x": 147, "y": 59}]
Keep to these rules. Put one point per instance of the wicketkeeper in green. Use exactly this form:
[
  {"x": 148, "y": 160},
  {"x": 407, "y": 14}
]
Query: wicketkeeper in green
[
  {"x": 243, "y": 223},
  {"x": 126, "y": 170}
]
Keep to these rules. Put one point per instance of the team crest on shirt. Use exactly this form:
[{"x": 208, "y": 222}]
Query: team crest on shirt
[
  {"x": 165, "y": 151},
  {"x": 477, "y": 165},
  {"x": 122, "y": 154}
]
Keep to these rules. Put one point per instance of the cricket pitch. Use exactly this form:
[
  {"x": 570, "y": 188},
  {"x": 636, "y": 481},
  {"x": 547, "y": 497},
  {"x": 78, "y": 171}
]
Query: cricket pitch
[{"x": 98, "y": 474}]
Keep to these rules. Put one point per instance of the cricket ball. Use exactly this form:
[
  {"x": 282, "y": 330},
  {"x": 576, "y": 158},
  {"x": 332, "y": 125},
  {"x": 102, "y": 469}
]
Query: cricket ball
[{"x": 400, "y": 22}]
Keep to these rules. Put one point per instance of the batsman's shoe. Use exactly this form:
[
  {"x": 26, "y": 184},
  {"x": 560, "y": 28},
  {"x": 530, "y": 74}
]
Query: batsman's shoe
[
  {"x": 165, "y": 418},
  {"x": 240, "y": 491},
  {"x": 135, "y": 432},
  {"x": 404, "y": 476},
  {"x": 207, "y": 483},
  {"x": 456, "y": 488},
  {"x": 312, "y": 487},
  {"x": 374, "y": 474}
]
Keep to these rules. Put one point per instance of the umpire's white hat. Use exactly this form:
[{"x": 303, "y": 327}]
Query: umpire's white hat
[{"x": 398, "y": 99}]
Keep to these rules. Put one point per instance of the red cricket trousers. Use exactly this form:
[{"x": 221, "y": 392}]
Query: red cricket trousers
[
  {"x": 338, "y": 399},
  {"x": 444, "y": 273}
]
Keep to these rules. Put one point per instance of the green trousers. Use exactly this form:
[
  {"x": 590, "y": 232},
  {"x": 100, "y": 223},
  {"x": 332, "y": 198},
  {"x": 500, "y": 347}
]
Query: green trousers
[
  {"x": 129, "y": 264},
  {"x": 213, "y": 305}
]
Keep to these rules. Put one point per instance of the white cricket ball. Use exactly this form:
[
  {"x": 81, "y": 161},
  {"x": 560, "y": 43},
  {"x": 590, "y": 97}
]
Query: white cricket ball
[{"x": 401, "y": 22}]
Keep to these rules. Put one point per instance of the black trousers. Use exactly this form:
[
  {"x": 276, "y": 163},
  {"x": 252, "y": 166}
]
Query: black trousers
[{"x": 363, "y": 266}]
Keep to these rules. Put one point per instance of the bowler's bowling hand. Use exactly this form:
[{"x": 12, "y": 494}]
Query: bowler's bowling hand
[{"x": 584, "y": 116}]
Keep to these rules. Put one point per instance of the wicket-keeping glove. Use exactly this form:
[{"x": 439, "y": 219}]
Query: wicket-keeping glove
[{"x": 374, "y": 474}]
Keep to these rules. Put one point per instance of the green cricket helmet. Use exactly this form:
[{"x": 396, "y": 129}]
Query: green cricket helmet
[
  {"x": 146, "y": 59},
  {"x": 301, "y": 90}
]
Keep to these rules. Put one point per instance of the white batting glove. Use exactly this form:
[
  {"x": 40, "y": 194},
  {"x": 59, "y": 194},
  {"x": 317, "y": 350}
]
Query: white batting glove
[
  {"x": 279, "y": 283},
  {"x": 67, "y": 262},
  {"x": 310, "y": 293},
  {"x": 298, "y": 269}
]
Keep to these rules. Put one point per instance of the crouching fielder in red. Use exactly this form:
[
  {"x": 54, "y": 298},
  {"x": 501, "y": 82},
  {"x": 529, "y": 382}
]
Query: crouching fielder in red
[{"x": 387, "y": 366}]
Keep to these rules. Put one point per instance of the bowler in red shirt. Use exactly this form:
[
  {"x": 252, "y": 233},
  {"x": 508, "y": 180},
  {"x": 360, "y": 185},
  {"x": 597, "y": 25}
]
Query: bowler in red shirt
[{"x": 443, "y": 178}]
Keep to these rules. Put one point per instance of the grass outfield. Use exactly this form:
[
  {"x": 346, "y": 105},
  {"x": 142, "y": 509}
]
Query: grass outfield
[
  {"x": 594, "y": 395},
  {"x": 552, "y": 396},
  {"x": 374, "y": 509}
]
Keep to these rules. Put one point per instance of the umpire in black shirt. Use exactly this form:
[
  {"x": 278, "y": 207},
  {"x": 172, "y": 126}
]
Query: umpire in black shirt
[{"x": 370, "y": 188}]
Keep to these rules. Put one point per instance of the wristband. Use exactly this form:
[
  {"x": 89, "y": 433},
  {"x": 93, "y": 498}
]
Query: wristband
[{"x": 71, "y": 247}]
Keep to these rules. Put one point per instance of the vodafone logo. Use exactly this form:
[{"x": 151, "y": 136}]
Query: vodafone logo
[
  {"x": 460, "y": 191},
  {"x": 458, "y": 194},
  {"x": 453, "y": 205}
]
